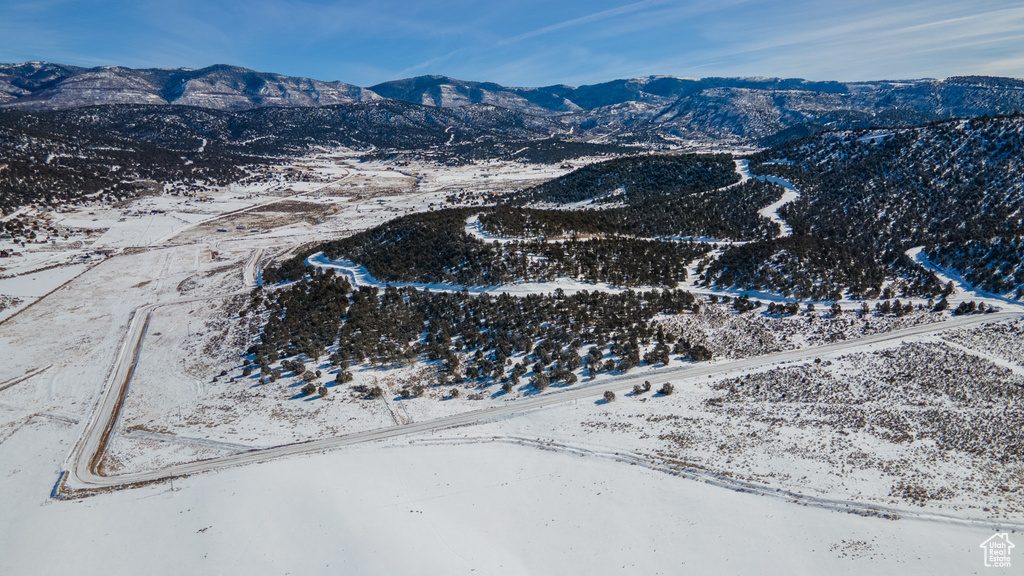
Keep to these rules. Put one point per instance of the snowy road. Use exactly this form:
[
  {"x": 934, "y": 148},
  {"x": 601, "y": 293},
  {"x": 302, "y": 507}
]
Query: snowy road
[
  {"x": 251, "y": 275},
  {"x": 358, "y": 275},
  {"x": 771, "y": 211},
  {"x": 964, "y": 288},
  {"x": 475, "y": 228},
  {"x": 90, "y": 448},
  {"x": 84, "y": 477}
]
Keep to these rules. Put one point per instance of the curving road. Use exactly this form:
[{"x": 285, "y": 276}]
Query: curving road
[{"x": 83, "y": 477}]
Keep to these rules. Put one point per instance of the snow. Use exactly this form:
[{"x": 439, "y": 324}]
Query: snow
[
  {"x": 358, "y": 275},
  {"x": 771, "y": 211},
  {"x": 875, "y": 136},
  {"x": 475, "y": 229},
  {"x": 964, "y": 290},
  {"x": 33, "y": 286},
  {"x": 476, "y": 508},
  {"x": 564, "y": 489},
  {"x": 38, "y": 284}
]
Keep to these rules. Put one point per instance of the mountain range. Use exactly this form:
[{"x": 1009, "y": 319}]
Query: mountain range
[{"x": 751, "y": 110}]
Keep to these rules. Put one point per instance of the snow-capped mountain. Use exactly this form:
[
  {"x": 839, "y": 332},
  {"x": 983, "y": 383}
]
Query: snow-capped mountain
[
  {"x": 43, "y": 86},
  {"x": 731, "y": 109}
]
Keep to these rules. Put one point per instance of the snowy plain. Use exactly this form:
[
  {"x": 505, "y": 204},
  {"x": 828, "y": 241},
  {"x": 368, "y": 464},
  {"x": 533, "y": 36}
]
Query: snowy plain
[{"x": 503, "y": 497}]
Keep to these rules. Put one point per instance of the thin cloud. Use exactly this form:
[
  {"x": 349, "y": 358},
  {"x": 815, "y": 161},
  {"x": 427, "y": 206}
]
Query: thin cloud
[
  {"x": 629, "y": 8},
  {"x": 522, "y": 44},
  {"x": 432, "y": 62}
]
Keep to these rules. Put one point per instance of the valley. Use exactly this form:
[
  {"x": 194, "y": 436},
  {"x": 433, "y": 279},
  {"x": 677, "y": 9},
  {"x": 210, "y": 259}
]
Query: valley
[{"x": 437, "y": 319}]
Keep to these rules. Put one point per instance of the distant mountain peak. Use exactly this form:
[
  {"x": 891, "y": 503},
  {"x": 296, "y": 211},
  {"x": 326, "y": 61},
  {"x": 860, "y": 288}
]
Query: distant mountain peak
[
  {"x": 220, "y": 86},
  {"x": 654, "y": 106}
]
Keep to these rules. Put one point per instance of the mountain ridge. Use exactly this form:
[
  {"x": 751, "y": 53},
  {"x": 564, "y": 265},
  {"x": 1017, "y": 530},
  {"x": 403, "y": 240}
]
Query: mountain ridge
[{"x": 758, "y": 110}]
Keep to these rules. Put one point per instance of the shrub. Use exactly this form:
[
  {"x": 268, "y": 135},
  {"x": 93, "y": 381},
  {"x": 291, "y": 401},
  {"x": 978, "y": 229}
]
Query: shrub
[
  {"x": 666, "y": 389},
  {"x": 699, "y": 353},
  {"x": 308, "y": 389},
  {"x": 609, "y": 396}
]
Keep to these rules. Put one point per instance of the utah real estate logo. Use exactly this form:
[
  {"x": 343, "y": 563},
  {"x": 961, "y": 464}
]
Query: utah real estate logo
[{"x": 997, "y": 550}]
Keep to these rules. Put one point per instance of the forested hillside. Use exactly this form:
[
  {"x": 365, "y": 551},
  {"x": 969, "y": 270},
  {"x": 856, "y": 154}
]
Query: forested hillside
[
  {"x": 434, "y": 247},
  {"x": 728, "y": 213},
  {"x": 398, "y": 325},
  {"x": 802, "y": 267},
  {"x": 887, "y": 191},
  {"x": 62, "y": 155},
  {"x": 638, "y": 178},
  {"x": 956, "y": 187},
  {"x": 995, "y": 264},
  {"x": 48, "y": 160}
]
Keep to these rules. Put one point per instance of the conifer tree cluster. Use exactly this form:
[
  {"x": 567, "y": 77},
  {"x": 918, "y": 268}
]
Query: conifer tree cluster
[{"x": 469, "y": 336}]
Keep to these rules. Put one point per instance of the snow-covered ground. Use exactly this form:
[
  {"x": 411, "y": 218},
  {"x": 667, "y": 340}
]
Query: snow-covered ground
[
  {"x": 444, "y": 508},
  {"x": 771, "y": 211},
  {"x": 358, "y": 275},
  {"x": 964, "y": 290},
  {"x": 585, "y": 487}
]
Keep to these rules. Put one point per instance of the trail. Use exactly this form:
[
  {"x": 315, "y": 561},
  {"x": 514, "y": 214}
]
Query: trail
[
  {"x": 771, "y": 211},
  {"x": 358, "y": 275},
  {"x": 722, "y": 481},
  {"x": 965, "y": 289},
  {"x": 84, "y": 478}
]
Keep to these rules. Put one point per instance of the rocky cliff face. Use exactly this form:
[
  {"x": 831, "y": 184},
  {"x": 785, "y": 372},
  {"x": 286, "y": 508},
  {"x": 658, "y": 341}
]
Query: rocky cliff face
[
  {"x": 741, "y": 109},
  {"x": 40, "y": 86},
  {"x": 765, "y": 110}
]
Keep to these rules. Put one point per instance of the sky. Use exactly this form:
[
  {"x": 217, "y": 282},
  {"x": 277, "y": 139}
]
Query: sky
[{"x": 527, "y": 42}]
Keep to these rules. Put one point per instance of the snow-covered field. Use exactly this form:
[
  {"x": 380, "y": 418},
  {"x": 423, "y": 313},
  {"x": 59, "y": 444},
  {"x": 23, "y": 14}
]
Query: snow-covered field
[
  {"x": 705, "y": 480},
  {"x": 445, "y": 508}
]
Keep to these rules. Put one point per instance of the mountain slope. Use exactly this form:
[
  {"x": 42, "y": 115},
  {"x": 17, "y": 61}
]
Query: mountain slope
[
  {"x": 41, "y": 86},
  {"x": 649, "y": 109},
  {"x": 955, "y": 187}
]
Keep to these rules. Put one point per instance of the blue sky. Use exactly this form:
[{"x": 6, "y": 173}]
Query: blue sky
[{"x": 527, "y": 42}]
